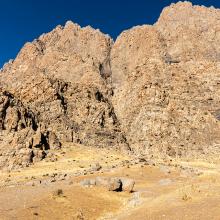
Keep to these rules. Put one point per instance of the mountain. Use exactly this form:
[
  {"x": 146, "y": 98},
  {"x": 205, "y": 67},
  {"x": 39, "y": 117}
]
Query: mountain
[{"x": 155, "y": 91}]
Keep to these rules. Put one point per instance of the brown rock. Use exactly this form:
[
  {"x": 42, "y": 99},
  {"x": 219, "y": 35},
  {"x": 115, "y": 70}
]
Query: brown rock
[
  {"x": 53, "y": 141},
  {"x": 58, "y": 192},
  {"x": 165, "y": 80},
  {"x": 155, "y": 91},
  {"x": 56, "y": 89},
  {"x": 127, "y": 184},
  {"x": 102, "y": 181},
  {"x": 115, "y": 184},
  {"x": 96, "y": 167}
]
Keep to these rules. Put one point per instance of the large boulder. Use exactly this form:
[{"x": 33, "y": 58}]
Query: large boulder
[
  {"x": 117, "y": 184},
  {"x": 127, "y": 184},
  {"x": 114, "y": 184}
]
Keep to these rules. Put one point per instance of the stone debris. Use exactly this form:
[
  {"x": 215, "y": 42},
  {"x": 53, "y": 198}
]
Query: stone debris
[
  {"x": 102, "y": 181},
  {"x": 135, "y": 200},
  {"x": 48, "y": 179},
  {"x": 117, "y": 184},
  {"x": 58, "y": 192},
  {"x": 127, "y": 184},
  {"x": 96, "y": 167},
  {"x": 165, "y": 170},
  {"x": 88, "y": 182}
]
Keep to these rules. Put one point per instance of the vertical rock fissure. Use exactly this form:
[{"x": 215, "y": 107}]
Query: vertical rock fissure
[{"x": 106, "y": 73}]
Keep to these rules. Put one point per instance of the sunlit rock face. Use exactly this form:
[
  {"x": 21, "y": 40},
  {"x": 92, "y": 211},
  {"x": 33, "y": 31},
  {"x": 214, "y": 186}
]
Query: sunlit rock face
[
  {"x": 57, "y": 91},
  {"x": 166, "y": 81},
  {"x": 155, "y": 91}
]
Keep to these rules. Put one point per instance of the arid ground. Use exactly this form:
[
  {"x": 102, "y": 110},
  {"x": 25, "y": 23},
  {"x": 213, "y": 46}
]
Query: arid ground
[
  {"x": 182, "y": 190},
  {"x": 77, "y": 106}
]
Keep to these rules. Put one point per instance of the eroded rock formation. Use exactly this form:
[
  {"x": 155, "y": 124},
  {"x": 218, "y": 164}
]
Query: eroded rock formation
[
  {"x": 57, "y": 91},
  {"x": 166, "y": 82},
  {"x": 155, "y": 91}
]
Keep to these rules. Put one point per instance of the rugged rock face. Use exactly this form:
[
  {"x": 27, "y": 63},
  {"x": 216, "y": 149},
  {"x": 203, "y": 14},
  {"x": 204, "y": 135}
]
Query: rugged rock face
[
  {"x": 56, "y": 90},
  {"x": 166, "y": 82},
  {"x": 156, "y": 90}
]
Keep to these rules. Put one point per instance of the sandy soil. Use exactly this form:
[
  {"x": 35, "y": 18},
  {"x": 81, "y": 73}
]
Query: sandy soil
[{"x": 161, "y": 192}]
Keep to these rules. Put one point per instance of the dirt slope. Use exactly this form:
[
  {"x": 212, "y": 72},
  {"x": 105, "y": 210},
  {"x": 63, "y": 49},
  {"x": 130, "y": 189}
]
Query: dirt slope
[{"x": 182, "y": 190}]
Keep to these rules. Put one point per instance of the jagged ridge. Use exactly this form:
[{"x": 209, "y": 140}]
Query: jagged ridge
[{"x": 154, "y": 91}]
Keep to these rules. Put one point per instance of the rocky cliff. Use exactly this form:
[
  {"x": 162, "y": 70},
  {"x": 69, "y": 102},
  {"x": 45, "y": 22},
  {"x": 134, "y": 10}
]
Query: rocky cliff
[
  {"x": 57, "y": 91},
  {"x": 155, "y": 91},
  {"x": 166, "y": 80}
]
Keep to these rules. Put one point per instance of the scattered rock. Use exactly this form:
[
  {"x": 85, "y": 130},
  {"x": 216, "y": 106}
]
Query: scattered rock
[
  {"x": 111, "y": 183},
  {"x": 79, "y": 215},
  {"x": 58, "y": 192},
  {"x": 165, "y": 170},
  {"x": 52, "y": 180},
  {"x": 96, "y": 167},
  {"x": 115, "y": 184},
  {"x": 135, "y": 200},
  {"x": 88, "y": 182},
  {"x": 102, "y": 181},
  {"x": 127, "y": 184},
  {"x": 61, "y": 177}
]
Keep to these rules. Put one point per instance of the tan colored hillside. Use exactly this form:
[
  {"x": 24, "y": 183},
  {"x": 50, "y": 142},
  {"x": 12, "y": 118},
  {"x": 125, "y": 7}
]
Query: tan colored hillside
[{"x": 96, "y": 129}]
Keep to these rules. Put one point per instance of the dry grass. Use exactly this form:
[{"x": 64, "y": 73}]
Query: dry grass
[{"x": 191, "y": 197}]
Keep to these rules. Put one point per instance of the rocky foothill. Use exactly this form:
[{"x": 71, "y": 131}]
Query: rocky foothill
[{"x": 155, "y": 91}]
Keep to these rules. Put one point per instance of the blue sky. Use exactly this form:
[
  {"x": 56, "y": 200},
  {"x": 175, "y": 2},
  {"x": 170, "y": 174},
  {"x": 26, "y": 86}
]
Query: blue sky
[{"x": 25, "y": 20}]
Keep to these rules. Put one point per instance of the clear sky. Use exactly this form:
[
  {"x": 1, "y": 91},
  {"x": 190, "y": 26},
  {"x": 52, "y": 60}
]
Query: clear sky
[{"x": 25, "y": 20}]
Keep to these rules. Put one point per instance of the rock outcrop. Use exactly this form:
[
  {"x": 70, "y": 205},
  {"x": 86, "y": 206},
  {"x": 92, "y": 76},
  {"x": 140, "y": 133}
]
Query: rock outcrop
[
  {"x": 57, "y": 90},
  {"x": 117, "y": 184},
  {"x": 155, "y": 91},
  {"x": 166, "y": 83}
]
